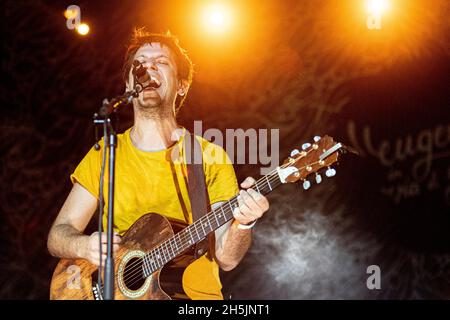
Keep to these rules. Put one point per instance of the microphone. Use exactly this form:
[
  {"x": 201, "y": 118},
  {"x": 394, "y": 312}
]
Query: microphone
[{"x": 142, "y": 77}]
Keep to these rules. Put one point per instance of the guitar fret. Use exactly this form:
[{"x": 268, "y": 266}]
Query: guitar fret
[
  {"x": 157, "y": 258},
  {"x": 144, "y": 266},
  {"x": 176, "y": 242},
  {"x": 205, "y": 225},
  {"x": 149, "y": 259},
  {"x": 229, "y": 202},
  {"x": 161, "y": 261},
  {"x": 165, "y": 252},
  {"x": 268, "y": 182},
  {"x": 186, "y": 239},
  {"x": 169, "y": 244},
  {"x": 200, "y": 221},
  {"x": 192, "y": 238},
  {"x": 153, "y": 261},
  {"x": 223, "y": 213},
  {"x": 195, "y": 227},
  {"x": 148, "y": 263},
  {"x": 174, "y": 246},
  {"x": 161, "y": 256},
  {"x": 217, "y": 221},
  {"x": 209, "y": 222},
  {"x": 257, "y": 188}
]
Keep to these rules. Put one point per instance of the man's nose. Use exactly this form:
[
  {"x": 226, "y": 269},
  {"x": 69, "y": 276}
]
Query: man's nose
[{"x": 151, "y": 64}]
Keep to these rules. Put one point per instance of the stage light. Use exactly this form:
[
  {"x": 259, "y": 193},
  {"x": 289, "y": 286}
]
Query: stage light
[
  {"x": 216, "y": 17},
  {"x": 73, "y": 16},
  {"x": 72, "y": 12},
  {"x": 377, "y": 7},
  {"x": 83, "y": 29}
]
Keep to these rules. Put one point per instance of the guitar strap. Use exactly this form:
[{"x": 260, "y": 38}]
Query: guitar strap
[{"x": 198, "y": 194}]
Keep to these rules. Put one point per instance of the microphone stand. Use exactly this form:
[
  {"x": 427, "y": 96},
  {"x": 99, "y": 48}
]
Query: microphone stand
[{"x": 104, "y": 117}]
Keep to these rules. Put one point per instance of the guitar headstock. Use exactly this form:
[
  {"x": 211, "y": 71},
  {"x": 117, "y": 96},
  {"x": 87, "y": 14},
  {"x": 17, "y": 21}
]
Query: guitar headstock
[{"x": 319, "y": 154}]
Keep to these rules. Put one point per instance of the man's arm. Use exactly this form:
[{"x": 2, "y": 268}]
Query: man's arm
[
  {"x": 232, "y": 243},
  {"x": 66, "y": 238}
]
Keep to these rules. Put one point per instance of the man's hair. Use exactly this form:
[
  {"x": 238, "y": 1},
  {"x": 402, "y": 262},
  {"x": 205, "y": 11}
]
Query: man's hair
[{"x": 184, "y": 64}]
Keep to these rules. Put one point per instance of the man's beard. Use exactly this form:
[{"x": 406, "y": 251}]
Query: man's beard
[{"x": 153, "y": 108}]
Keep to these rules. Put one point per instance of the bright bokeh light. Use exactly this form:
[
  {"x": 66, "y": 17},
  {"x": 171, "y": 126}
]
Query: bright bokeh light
[
  {"x": 71, "y": 14},
  {"x": 83, "y": 29},
  {"x": 377, "y": 7},
  {"x": 216, "y": 17}
]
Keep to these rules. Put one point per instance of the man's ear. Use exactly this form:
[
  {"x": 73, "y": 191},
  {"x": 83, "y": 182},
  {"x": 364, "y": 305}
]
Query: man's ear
[{"x": 183, "y": 87}]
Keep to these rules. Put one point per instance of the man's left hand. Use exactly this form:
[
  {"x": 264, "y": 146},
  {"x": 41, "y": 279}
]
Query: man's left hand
[{"x": 252, "y": 204}]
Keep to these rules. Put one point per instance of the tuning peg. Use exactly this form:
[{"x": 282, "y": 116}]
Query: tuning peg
[
  {"x": 306, "y": 184},
  {"x": 294, "y": 152},
  {"x": 330, "y": 172},
  {"x": 306, "y": 146},
  {"x": 318, "y": 178},
  {"x": 316, "y": 138}
]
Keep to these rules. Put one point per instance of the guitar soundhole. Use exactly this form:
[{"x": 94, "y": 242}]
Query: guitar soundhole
[{"x": 133, "y": 276}]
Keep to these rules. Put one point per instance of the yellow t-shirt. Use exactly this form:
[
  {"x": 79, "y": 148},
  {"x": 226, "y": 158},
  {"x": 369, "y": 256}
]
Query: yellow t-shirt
[{"x": 156, "y": 182}]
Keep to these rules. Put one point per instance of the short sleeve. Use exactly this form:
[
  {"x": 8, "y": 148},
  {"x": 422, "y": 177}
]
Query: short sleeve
[
  {"x": 87, "y": 173},
  {"x": 219, "y": 174}
]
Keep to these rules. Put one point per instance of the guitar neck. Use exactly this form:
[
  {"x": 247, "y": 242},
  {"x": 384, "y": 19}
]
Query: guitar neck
[{"x": 197, "y": 231}]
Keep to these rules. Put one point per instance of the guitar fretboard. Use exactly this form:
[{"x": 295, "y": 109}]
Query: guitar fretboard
[{"x": 194, "y": 233}]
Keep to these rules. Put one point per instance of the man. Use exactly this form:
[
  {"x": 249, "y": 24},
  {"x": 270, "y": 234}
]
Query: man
[{"x": 148, "y": 181}]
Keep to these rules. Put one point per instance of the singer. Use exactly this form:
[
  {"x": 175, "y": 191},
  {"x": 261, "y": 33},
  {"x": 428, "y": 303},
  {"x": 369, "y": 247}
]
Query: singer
[{"x": 147, "y": 180}]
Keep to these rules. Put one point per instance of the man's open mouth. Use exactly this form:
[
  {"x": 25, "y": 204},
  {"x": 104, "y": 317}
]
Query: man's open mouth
[{"x": 153, "y": 84}]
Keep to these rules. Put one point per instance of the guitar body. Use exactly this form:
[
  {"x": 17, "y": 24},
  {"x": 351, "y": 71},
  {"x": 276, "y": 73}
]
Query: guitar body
[{"x": 76, "y": 279}]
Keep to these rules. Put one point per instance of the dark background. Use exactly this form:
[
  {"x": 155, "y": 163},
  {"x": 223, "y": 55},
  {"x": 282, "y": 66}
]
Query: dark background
[{"x": 303, "y": 67}]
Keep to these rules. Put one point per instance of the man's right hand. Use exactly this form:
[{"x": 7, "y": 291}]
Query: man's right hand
[{"x": 91, "y": 248}]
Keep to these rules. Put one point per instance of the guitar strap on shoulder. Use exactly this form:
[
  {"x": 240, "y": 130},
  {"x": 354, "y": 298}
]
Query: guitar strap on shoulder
[{"x": 198, "y": 194}]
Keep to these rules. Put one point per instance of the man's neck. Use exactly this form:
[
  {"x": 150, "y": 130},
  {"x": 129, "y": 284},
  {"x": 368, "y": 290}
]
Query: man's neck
[{"x": 154, "y": 134}]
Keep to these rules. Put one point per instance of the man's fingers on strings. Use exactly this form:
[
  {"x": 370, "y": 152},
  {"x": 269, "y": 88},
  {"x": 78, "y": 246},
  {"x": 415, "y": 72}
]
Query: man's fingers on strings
[
  {"x": 244, "y": 208},
  {"x": 262, "y": 201},
  {"x": 248, "y": 182},
  {"x": 249, "y": 201}
]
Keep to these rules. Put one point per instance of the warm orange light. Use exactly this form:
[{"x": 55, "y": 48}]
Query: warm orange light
[
  {"x": 377, "y": 7},
  {"x": 216, "y": 17},
  {"x": 83, "y": 29},
  {"x": 71, "y": 13}
]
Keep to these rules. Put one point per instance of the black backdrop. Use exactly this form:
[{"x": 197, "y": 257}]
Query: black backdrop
[{"x": 305, "y": 68}]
